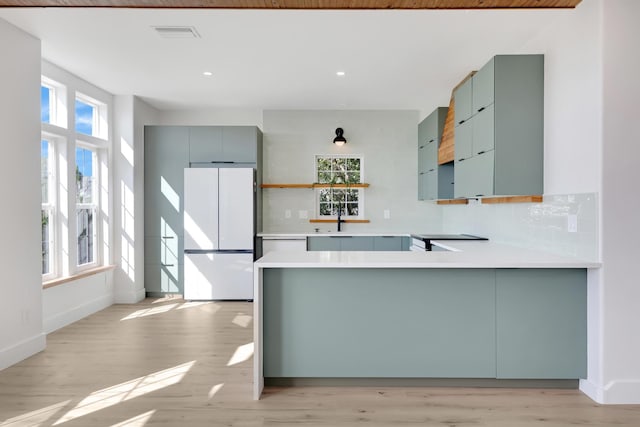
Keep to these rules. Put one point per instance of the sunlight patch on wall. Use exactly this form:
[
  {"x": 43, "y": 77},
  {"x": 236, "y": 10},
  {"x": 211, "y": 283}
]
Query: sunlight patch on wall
[
  {"x": 126, "y": 391},
  {"x": 126, "y": 150},
  {"x": 170, "y": 194}
]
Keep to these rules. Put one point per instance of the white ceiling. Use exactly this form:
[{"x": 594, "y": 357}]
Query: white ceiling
[{"x": 281, "y": 59}]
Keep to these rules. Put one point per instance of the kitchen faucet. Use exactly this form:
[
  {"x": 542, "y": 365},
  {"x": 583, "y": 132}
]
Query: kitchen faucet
[{"x": 340, "y": 220}]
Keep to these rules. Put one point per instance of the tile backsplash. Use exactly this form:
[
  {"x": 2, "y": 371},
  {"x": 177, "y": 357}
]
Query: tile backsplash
[{"x": 561, "y": 224}]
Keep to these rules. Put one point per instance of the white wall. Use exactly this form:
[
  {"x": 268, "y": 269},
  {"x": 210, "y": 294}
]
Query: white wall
[
  {"x": 386, "y": 139},
  {"x": 620, "y": 289},
  {"x": 212, "y": 117},
  {"x": 20, "y": 252},
  {"x": 72, "y": 301}
]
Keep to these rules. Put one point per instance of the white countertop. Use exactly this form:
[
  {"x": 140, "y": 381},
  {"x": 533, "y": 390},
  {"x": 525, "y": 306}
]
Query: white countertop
[
  {"x": 468, "y": 254},
  {"x": 292, "y": 236}
]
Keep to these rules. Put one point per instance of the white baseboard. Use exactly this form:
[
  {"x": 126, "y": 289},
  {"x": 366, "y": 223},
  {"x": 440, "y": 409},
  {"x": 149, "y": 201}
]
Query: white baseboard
[
  {"x": 76, "y": 313},
  {"x": 130, "y": 297},
  {"x": 618, "y": 392},
  {"x": 20, "y": 351}
]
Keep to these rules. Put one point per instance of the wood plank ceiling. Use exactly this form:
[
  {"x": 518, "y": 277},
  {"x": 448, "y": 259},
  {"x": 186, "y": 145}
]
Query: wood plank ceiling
[{"x": 299, "y": 4}]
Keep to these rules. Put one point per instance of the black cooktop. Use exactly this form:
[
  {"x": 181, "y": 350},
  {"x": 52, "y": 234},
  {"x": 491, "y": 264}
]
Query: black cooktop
[{"x": 426, "y": 237}]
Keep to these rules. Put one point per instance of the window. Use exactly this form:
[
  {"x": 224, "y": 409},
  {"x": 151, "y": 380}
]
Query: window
[
  {"x": 47, "y": 184},
  {"x": 74, "y": 146},
  {"x": 86, "y": 204},
  {"x": 340, "y": 172},
  {"x": 90, "y": 117},
  {"x": 47, "y": 96},
  {"x": 85, "y": 117}
]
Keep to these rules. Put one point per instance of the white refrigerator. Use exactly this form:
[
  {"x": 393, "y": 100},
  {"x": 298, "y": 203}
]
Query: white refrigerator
[{"x": 219, "y": 221}]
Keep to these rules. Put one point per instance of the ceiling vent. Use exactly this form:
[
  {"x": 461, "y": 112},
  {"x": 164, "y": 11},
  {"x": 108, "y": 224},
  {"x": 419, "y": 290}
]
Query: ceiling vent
[{"x": 177, "y": 32}]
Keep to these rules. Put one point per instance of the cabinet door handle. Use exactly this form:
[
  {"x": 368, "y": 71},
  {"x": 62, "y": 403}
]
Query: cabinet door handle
[
  {"x": 461, "y": 160},
  {"x": 461, "y": 122},
  {"x": 421, "y": 147},
  {"x": 431, "y": 170},
  {"x": 431, "y": 140},
  {"x": 168, "y": 237},
  {"x": 167, "y": 265},
  {"x": 481, "y": 152},
  {"x": 479, "y": 195},
  {"x": 480, "y": 109},
  {"x": 421, "y": 173}
]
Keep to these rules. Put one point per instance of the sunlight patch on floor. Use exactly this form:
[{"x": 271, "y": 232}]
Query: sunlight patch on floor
[
  {"x": 150, "y": 311},
  {"x": 35, "y": 418},
  {"x": 243, "y": 320},
  {"x": 137, "y": 421},
  {"x": 128, "y": 390},
  {"x": 191, "y": 304},
  {"x": 216, "y": 388},
  {"x": 242, "y": 353}
]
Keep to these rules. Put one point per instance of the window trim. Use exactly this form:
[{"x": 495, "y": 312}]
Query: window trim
[
  {"x": 51, "y": 206},
  {"x": 95, "y": 205}
]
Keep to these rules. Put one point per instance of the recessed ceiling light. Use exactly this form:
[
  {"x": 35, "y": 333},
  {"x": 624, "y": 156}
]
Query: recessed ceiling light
[
  {"x": 207, "y": 73},
  {"x": 340, "y": 73}
]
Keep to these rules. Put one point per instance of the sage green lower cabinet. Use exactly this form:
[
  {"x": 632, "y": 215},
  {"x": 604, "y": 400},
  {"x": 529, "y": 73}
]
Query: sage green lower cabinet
[
  {"x": 328, "y": 243},
  {"x": 541, "y": 328},
  {"x": 379, "y": 323},
  {"x": 357, "y": 243},
  {"x": 424, "y": 323},
  {"x": 340, "y": 243},
  {"x": 387, "y": 243}
]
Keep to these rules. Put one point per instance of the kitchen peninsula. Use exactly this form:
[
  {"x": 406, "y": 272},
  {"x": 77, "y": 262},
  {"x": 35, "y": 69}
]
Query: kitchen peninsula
[{"x": 481, "y": 310}]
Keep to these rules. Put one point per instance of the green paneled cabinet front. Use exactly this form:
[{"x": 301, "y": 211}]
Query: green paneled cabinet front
[
  {"x": 213, "y": 144},
  {"x": 340, "y": 243},
  {"x": 430, "y": 184},
  {"x": 455, "y": 323},
  {"x": 541, "y": 323},
  {"x": 462, "y": 97},
  {"x": 166, "y": 155},
  {"x": 387, "y": 243},
  {"x": 379, "y": 323},
  {"x": 507, "y": 98}
]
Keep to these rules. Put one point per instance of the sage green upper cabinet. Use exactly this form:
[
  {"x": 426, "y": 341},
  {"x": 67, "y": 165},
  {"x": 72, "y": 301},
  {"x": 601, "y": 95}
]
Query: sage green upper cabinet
[
  {"x": 464, "y": 138},
  {"x": 483, "y": 88},
  {"x": 239, "y": 143},
  {"x": 434, "y": 181},
  {"x": 483, "y": 137},
  {"x": 463, "y": 102},
  {"x": 205, "y": 143},
  {"x": 223, "y": 144},
  {"x": 505, "y": 128}
]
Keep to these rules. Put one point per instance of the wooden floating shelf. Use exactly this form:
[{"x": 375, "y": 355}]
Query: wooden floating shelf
[
  {"x": 453, "y": 202},
  {"x": 352, "y": 221},
  {"x": 361, "y": 185},
  {"x": 512, "y": 199}
]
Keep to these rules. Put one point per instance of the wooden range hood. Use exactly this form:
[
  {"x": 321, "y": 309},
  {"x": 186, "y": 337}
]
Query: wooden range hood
[{"x": 300, "y": 4}]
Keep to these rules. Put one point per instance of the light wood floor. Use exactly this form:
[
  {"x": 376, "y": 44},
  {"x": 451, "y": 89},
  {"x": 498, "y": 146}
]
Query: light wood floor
[{"x": 171, "y": 363}]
